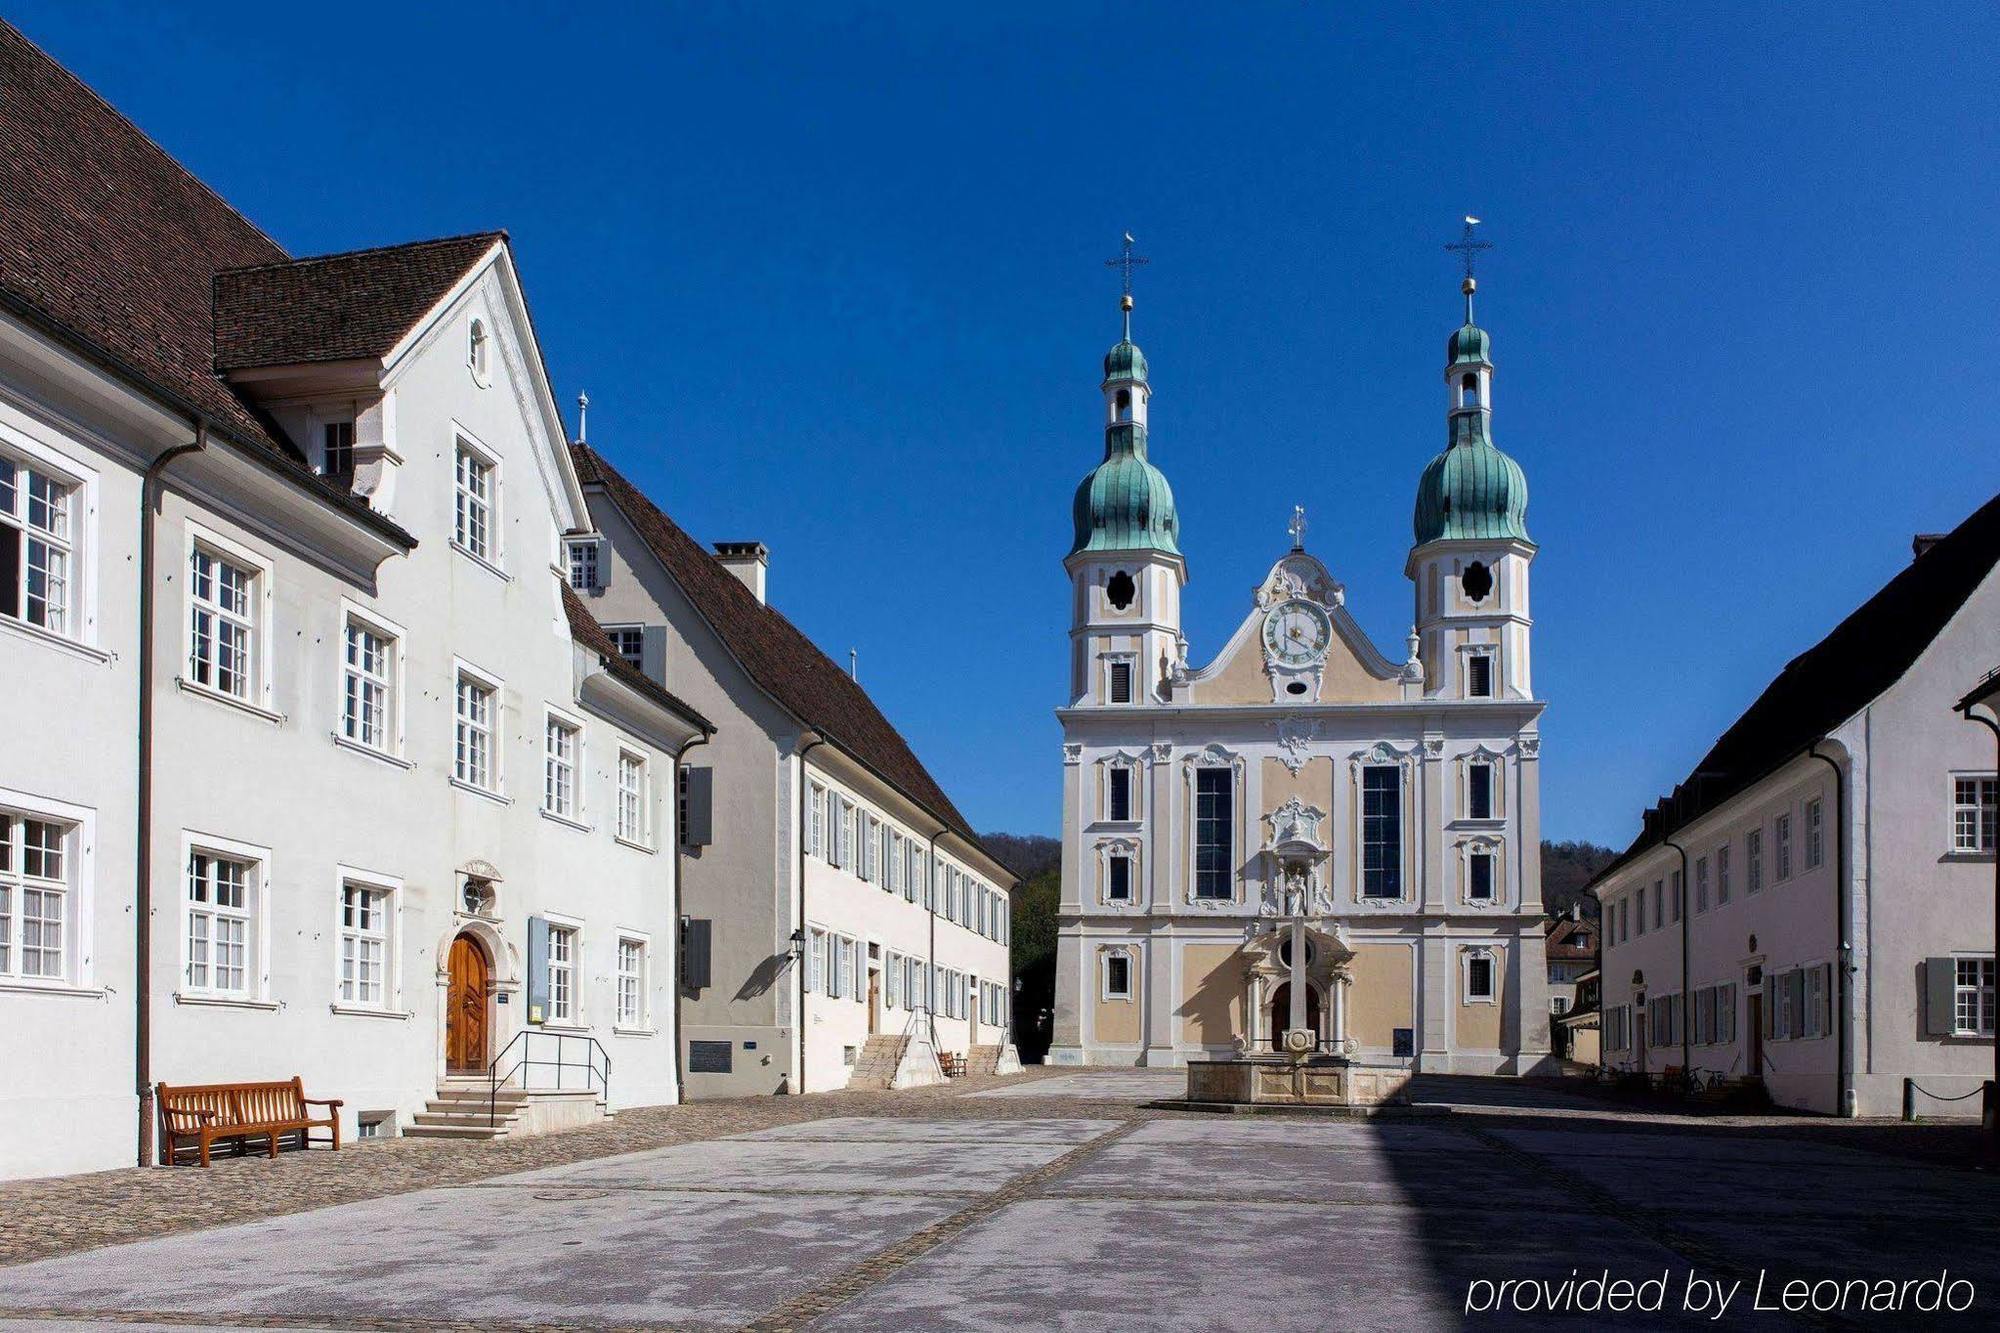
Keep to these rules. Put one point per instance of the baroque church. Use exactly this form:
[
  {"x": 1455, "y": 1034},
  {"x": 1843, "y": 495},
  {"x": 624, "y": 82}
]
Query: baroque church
[{"x": 1301, "y": 784}]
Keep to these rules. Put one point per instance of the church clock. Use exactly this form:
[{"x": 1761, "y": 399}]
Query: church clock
[{"x": 1296, "y": 633}]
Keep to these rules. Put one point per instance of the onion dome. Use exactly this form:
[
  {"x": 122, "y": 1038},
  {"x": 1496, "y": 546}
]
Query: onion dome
[
  {"x": 1125, "y": 362},
  {"x": 1472, "y": 490},
  {"x": 1125, "y": 503}
]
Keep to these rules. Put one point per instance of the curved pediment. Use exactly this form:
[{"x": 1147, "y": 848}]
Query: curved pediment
[{"x": 1352, "y": 670}]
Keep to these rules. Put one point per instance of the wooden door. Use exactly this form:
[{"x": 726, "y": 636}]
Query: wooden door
[
  {"x": 874, "y": 1003},
  {"x": 465, "y": 1008},
  {"x": 1281, "y": 1012}
]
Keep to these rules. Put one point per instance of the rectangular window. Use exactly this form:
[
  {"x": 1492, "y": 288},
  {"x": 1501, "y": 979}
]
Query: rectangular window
[
  {"x": 472, "y": 526},
  {"x": 1973, "y": 813},
  {"x": 1479, "y": 792},
  {"x": 1624, "y": 920},
  {"x": 1479, "y": 977},
  {"x": 1117, "y": 976},
  {"x": 364, "y": 946},
  {"x": 913, "y": 877},
  {"x": 219, "y": 913},
  {"x": 631, "y": 796},
  {"x": 1118, "y": 802},
  {"x": 630, "y": 641},
  {"x": 34, "y": 897},
  {"x": 848, "y": 814},
  {"x": 1781, "y": 835},
  {"x": 583, "y": 564},
  {"x": 1121, "y": 682},
  {"x": 1753, "y": 861},
  {"x": 1479, "y": 676},
  {"x": 36, "y": 546},
  {"x": 897, "y": 862},
  {"x": 631, "y": 983},
  {"x": 222, "y": 623},
  {"x": 1118, "y": 884},
  {"x": 1722, "y": 874},
  {"x": 1972, "y": 998},
  {"x": 1700, "y": 885},
  {"x": 1479, "y": 881},
  {"x": 367, "y": 680},
  {"x": 337, "y": 451},
  {"x": 562, "y": 974},
  {"x": 871, "y": 868},
  {"x": 1815, "y": 998},
  {"x": 562, "y": 740},
  {"x": 1381, "y": 832},
  {"x": 1659, "y": 904},
  {"x": 1677, "y": 892},
  {"x": 1641, "y": 898},
  {"x": 1815, "y": 833},
  {"x": 815, "y": 962},
  {"x": 472, "y": 748},
  {"x": 843, "y": 978},
  {"x": 1214, "y": 833},
  {"x": 816, "y": 820}
]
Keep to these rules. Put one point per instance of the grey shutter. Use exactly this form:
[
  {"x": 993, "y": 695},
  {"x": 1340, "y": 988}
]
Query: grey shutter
[
  {"x": 695, "y": 968},
  {"x": 538, "y": 969},
  {"x": 698, "y": 826},
  {"x": 653, "y": 651},
  {"x": 1940, "y": 998}
]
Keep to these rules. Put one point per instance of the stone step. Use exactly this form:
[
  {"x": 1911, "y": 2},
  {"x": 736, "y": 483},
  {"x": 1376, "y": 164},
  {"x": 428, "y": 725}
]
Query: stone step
[{"x": 476, "y": 1132}]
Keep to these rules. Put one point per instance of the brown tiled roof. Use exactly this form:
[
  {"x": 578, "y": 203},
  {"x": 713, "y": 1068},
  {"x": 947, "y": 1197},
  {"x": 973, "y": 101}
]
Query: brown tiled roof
[
  {"x": 781, "y": 659},
  {"x": 106, "y": 239},
  {"x": 1835, "y": 678},
  {"x": 1572, "y": 941},
  {"x": 336, "y": 307},
  {"x": 583, "y": 627}
]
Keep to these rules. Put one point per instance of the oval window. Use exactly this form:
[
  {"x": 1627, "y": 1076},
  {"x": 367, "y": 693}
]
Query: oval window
[
  {"x": 1477, "y": 581},
  {"x": 1121, "y": 590}
]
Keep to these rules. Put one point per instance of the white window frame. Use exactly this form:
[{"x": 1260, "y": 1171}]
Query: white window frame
[
  {"x": 1985, "y": 1001},
  {"x": 1134, "y": 789},
  {"x": 892, "y": 979},
  {"x": 1815, "y": 821},
  {"x": 256, "y": 917},
  {"x": 255, "y": 620},
  {"x": 569, "y": 968},
  {"x": 1781, "y": 847},
  {"x": 390, "y": 887},
  {"x": 634, "y": 805},
  {"x": 74, "y": 888},
  {"x": 556, "y": 724},
  {"x": 1753, "y": 860},
  {"x": 1496, "y": 800},
  {"x": 391, "y": 682},
  {"x": 1130, "y": 661},
  {"x": 816, "y": 820},
  {"x": 493, "y": 730},
  {"x": 815, "y": 961},
  {"x": 637, "y": 986},
  {"x": 617, "y": 633},
  {"x": 479, "y": 350},
  {"x": 1104, "y": 957},
  {"x": 1975, "y": 817},
  {"x": 1492, "y": 849},
  {"x": 489, "y": 552},
  {"x": 584, "y": 556},
  {"x": 1466, "y": 956},
  {"x": 78, "y": 543}
]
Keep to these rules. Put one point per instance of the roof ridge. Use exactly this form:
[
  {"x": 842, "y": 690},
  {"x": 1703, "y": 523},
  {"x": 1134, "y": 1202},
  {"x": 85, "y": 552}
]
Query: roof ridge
[
  {"x": 499, "y": 234},
  {"x": 133, "y": 125}
]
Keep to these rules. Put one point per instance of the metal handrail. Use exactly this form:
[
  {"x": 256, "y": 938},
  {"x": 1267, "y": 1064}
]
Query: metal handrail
[{"x": 593, "y": 1076}]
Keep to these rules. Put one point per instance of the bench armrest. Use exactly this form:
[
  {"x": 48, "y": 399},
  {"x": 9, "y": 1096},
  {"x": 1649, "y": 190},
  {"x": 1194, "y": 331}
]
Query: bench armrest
[{"x": 322, "y": 1101}]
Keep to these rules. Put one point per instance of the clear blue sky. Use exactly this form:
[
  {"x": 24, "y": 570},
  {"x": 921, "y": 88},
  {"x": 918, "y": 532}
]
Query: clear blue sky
[{"x": 833, "y": 279}]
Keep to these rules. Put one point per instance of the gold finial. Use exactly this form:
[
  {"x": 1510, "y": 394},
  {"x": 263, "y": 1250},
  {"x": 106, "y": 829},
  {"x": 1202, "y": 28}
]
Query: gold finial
[
  {"x": 1469, "y": 286},
  {"x": 1125, "y": 302}
]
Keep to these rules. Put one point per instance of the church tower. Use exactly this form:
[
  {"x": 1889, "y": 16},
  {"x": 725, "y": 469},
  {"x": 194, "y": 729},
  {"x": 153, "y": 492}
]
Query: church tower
[
  {"x": 1472, "y": 552},
  {"x": 1125, "y": 565}
]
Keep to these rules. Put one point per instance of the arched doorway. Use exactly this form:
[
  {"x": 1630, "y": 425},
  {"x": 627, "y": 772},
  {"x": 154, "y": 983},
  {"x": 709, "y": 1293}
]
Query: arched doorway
[
  {"x": 465, "y": 1014},
  {"x": 1281, "y": 1011}
]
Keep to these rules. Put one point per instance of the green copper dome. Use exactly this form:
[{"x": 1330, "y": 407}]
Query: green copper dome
[
  {"x": 1125, "y": 503},
  {"x": 1125, "y": 362},
  {"x": 1472, "y": 490},
  {"x": 1468, "y": 343}
]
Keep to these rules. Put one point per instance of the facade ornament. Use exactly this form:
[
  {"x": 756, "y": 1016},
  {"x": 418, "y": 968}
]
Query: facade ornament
[
  {"x": 1072, "y": 754},
  {"x": 1296, "y": 824},
  {"x": 1295, "y": 737},
  {"x": 1162, "y": 751},
  {"x": 1433, "y": 747},
  {"x": 1413, "y": 668},
  {"x": 1531, "y": 745}
]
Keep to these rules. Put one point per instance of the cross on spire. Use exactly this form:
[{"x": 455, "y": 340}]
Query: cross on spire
[
  {"x": 1468, "y": 247},
  {"x": 1127, "y": 261}
]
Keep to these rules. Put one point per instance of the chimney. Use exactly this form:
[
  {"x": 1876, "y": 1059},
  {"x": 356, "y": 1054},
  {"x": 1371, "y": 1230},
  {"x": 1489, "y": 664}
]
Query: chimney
[
  {"x": 748, "y": 561},
  {"x": 1922, "y": 542}
]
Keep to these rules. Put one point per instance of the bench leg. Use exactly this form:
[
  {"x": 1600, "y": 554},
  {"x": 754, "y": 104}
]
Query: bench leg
[
  {"x": 272, "y": 1138},
  {"x": 204, "y": 1149}
]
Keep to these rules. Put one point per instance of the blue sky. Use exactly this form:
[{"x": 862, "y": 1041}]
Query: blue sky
[{"x": 833, "y": 278}]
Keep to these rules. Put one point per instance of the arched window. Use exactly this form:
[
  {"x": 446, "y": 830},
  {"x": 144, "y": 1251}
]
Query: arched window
[
  {"x": 1468, "y": 391},
  {"x": 477, "y": 352},
  {"x": 1124, "y": 404}
]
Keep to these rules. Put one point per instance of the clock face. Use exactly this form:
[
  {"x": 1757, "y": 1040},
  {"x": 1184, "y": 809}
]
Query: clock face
[{"x": 1297, "y": 632}]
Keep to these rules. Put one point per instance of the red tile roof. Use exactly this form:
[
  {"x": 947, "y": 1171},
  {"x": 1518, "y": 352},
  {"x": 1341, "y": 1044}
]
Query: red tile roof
[
  {"x": 583, "y": 627},
  {"x": 1572, "y": 941},
  {"x": 781, "y": 659},
  {"x": 336, "y": 307}
]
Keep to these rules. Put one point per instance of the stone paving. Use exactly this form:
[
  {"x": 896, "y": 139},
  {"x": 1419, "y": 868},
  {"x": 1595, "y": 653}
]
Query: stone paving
[{"x": 1055, "y": 1199}]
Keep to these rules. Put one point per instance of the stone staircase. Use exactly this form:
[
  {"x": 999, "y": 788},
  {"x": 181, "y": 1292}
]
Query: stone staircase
[
  {"x": 460, "y": 1111},
  {"x": 875, "y": 1068}
]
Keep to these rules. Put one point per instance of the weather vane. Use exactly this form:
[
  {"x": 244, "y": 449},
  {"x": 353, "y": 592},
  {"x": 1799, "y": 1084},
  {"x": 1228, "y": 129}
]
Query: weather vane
[
  {"x": 1468, "y": 247},
  {"x": 1127, "y": 261},
  {"x": 1297, "y": 527}
]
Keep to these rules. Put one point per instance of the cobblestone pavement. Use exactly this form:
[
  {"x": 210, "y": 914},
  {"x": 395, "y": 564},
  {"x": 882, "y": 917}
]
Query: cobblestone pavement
[{"x": 1066, "y": 1202}]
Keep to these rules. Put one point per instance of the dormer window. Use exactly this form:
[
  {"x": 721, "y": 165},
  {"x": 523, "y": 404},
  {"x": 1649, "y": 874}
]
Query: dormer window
[
  {"x": 478, "y": 353},
  {"x": 583, "y": 564},
  {"x": 337, "y": 451}
]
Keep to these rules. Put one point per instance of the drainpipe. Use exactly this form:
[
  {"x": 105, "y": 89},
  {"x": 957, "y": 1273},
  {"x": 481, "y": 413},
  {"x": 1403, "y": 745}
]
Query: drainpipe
[
  {"x": 1992, "y": 1108},
  {"x": 1685, "y": 905},
  {"x": 142, "y": 925},
  {"x": 674, "y": 910},
  {"x": 800, "y": 969},
  {"x": 1843, "y": 1073}
]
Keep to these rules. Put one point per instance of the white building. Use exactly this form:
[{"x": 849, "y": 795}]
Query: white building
[
  {"x": 325, "y": 774},
  {"x": 835, "y": 878},
  {"x": 1813, "y": 907},
  {"x": 1393, "y": 802}
]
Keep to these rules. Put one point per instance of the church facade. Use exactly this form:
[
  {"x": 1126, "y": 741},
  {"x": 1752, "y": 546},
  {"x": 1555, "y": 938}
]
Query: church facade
[{"x": 1302, "y": 783}]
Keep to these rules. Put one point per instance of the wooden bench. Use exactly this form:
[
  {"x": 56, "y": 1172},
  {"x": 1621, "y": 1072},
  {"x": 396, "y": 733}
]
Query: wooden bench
[
  {"x": 206, "y": 1112},
  {"x": 952, "y": 1064}
]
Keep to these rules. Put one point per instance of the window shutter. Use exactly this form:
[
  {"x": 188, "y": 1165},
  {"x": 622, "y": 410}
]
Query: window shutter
[
  {"x": 653, "y": 651},
  {"x": 1940, "y": 1001},
  {"x": 695, "y": 971},
  {"x": 1826, "y": 999},
  {"x": 698, "y": 821},
  {"x": 538, "y": 969},
  {"x": 1770, "y": 1008}
]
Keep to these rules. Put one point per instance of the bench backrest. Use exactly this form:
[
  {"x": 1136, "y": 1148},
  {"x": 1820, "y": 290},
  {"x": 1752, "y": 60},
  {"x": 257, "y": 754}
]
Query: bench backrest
[{"x": 231, "y": 1104}]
